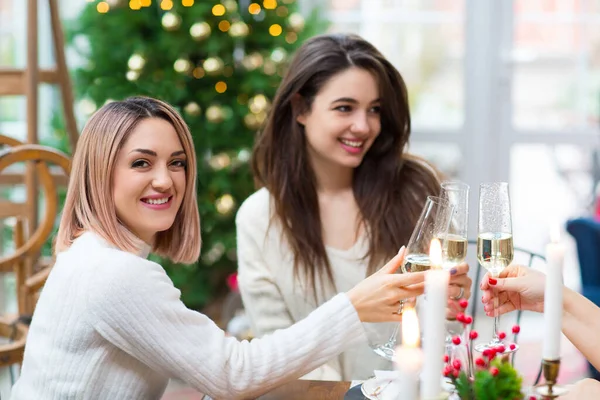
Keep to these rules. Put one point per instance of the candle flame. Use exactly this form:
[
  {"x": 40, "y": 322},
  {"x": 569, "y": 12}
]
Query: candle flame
[
  {"x": 435, "y": 253},
  {"x": 555, "y": 234},
  {"x": 410, "y": 328}
]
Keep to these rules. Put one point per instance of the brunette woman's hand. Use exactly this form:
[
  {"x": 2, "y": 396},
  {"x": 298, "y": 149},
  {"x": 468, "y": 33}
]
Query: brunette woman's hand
[
  {"x": 518, "y": 288},
  {"x": 378, "y": 297}
]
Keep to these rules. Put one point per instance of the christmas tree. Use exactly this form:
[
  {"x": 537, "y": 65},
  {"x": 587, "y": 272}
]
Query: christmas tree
[{"x": 219, "y": 64}]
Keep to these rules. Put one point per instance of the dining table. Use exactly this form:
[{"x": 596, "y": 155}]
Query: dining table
[{"x": 307, "y": 389}]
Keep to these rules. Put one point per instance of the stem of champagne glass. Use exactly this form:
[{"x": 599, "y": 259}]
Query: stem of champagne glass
[{"x": 496, "y": 316}]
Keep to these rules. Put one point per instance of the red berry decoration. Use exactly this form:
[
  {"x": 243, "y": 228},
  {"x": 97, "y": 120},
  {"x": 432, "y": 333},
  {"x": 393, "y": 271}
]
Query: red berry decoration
[
  {"x": 468, "y": 319},
  {"x": 447, "y": 370},
  {"x": 480, "y": 362},
  {"x": 464, "y": 303},
  {"x": 502, "y": 335},
  {"x": 456, "y": 373},
  {"x": 516, "y": 329},
  {"x": 532, "y": 398},
  {"x": 446, "y": 358},
  {"x": 456, "y": 340},
  {"x": 494, "y": 371},
  {"x": 486, "y": 353},
  {"x": 460, "y": 317},
  {"x": 473, "y": 335},
  {"x": 500, "y": 349},
  {"x": 492, "y": 354},
  {"x": 456, "y": 364},
  {"x": 513, "y": 346}
]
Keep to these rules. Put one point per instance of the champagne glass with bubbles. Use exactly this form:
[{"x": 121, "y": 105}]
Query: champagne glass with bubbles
[
  {"x": 494, "y": 241},
  {"x": 433, "y": 223},
  {"x": 454, "y": 246}
]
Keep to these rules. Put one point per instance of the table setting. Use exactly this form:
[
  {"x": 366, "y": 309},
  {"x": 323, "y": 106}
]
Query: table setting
[{"x": 436, "y": 362}]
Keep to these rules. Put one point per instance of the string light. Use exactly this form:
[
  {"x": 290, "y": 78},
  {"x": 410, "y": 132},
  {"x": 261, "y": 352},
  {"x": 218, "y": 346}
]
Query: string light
[
  {"x": 102, "y": 7},
  {"x": 270, "y": 4},
  {"x": 166, "y": 5},
  {"x": 135, "y": 4},
  {"x": 275, "y": 30},
  {"x": 254, "y": 8},
  {"x": 187, "y": 3},
  {"x": 221, "y": 87},
  {"x": 218, "y": 10},
  {"x": 146, "y": 3}
]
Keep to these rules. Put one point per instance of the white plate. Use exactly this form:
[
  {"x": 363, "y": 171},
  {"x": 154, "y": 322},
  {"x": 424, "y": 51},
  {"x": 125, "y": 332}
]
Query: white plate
[{"x": 371, "y": 391}]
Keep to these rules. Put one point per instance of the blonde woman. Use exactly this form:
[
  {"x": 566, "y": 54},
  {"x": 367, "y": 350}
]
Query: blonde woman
[{"x": 109, "y": 324}]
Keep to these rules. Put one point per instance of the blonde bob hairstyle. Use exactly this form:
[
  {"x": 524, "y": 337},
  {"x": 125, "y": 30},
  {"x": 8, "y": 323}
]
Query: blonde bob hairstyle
[{"x": 89, "y": 205}]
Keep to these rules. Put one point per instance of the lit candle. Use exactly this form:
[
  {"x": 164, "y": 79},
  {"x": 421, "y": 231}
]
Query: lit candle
[
  {"x": 436, "y": 290},
  {"x": 409, "y": 357},
  {"x": 553, "y": 298}
]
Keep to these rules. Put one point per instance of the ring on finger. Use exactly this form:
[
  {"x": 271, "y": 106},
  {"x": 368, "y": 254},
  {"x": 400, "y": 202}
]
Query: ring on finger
[
  {"x": 460, "y": 295},
  {"x": 401, "y": 308}
]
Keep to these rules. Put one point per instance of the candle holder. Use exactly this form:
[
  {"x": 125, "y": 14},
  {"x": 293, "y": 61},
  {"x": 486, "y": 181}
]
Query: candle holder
[{"x": 549, "y": 389}]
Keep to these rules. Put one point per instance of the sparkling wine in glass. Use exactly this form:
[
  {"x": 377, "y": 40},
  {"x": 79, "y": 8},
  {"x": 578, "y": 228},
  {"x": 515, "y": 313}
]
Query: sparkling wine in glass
[
  {"x": 494, "y": 241},
  {"x": 455, "y": 243},
  {"x": 454, "y": 246},
  {"x": 433, "y": 223}
]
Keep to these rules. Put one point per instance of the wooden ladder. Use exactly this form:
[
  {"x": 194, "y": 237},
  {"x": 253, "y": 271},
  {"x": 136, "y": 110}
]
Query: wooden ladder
[{"x": 26, "y": 82}]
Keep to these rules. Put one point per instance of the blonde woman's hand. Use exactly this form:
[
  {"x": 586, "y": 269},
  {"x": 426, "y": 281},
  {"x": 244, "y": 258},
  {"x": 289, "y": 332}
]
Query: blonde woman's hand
[
  {"x": 459, "y": 288},
  {"x": 377, "y": 298},
  {"x": 518, "y": 288},
  {"x": 586, "y": 389}
]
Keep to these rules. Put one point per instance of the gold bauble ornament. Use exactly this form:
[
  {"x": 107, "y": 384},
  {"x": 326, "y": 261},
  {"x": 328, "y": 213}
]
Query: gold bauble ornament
[
  {"x": 200, "y": 31},
  {"x": 213, "y": 65},
  {"x": 132, "y": 75},
  {"x": 251, "y": 121},
  {"x": 231, "y": 5},
  {"x": 192, "y": 109},
  {"x": 278, "y": 55},
  {"x": 258, "y": 103},
  {"x": 220, "y": 161},
  {"x": 215, "y": 114},
  {"x": 253, "y": 61},
  {"x": 136, "y": 62},
  {"x": 182, "y": 65},
  {"x": 239, "y": 29},
  {"x": 296, "y": 21},
  {"x": 225, "y": 204},
  {"x": 171, "y": 21}
]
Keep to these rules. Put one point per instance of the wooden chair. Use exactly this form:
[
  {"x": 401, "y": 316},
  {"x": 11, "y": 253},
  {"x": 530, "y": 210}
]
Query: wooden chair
[{"x": 28, "y": 283}]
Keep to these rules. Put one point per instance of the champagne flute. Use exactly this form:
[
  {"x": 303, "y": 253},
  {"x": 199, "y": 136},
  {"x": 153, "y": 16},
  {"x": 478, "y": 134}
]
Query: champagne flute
[
  {"x": 494, "y": 241},
  {"x": 454, "y": 250},
  {"x": 455, "y": 243},
  {"x": 433, "y": 223}
]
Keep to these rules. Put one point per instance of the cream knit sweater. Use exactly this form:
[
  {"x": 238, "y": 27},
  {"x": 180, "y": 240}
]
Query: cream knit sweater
[
  {"x": 275, "y": 299},
  {"x": 111, "y": 325}
]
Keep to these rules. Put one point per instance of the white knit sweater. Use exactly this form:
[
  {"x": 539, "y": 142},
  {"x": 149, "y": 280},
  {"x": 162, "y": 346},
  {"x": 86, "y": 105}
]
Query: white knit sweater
[
  {"x": 274, "y": 298},
  {"x": 110, "y": 325}
]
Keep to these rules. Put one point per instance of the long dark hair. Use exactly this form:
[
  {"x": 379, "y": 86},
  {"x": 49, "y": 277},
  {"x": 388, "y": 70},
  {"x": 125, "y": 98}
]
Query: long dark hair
[{"x": 389, "y": 185}]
